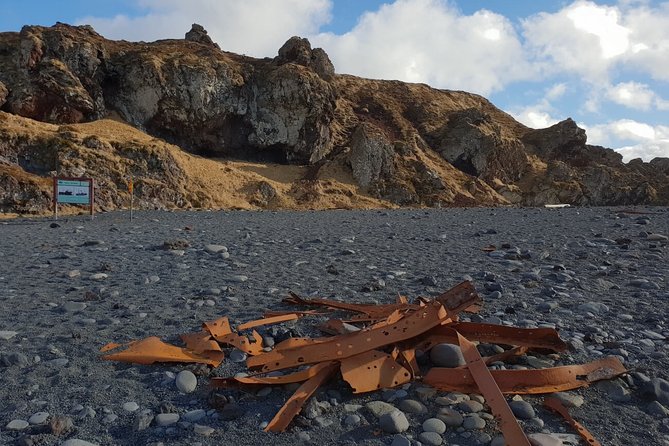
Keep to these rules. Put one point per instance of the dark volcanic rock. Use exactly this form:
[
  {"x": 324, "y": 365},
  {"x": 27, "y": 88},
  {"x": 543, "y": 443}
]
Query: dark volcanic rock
[
  {"x": 407, "y": 144},
  {"x": 198, "y": 34}
]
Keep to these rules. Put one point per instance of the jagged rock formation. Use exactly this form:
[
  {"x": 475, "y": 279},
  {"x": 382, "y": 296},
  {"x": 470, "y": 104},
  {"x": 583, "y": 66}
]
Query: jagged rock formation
[
  {"x": 403, "y": 144},
  {"x": 198, "y": 34}
]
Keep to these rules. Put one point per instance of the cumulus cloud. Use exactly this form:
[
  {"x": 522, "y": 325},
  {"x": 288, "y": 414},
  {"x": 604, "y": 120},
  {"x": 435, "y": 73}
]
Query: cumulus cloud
[
  {"x": 633, "y": 95},
  {"x": 589, "y": 39},
  {"x": 430, "y": 41},
  {"x": 254, "y": 27},
  {"x": 631, "y": 138}
]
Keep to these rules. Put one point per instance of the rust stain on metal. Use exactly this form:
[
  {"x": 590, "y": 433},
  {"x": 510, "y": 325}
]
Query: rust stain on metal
[
  {"x": 294, "y": 404},
  {"x": 513, "y": 433},
  {"x": 373, "y": 370},
  {"x": 554, "y": 379},
  {"x": 268, "y": 321},
  {"x": 555, "y": 405}
]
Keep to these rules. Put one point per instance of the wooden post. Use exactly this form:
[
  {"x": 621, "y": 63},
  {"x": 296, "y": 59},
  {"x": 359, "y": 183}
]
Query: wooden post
[
  {"x": 55, "y": 197},
  {"x": 91, "y": 195}
]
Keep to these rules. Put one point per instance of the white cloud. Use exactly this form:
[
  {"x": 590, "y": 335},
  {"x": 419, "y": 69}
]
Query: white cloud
[
  {"x": 253, "y": 27},
  {"x": 633, "y": 95},
  {"x": 590, "y": 39},
  {"x": 430, "y": 41},
  {"x": 556, "y": 91},
  {"x": 631, "y": 138}
]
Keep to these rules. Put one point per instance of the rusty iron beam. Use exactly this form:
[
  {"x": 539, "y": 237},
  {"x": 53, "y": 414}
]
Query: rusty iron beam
[
  {"x": 345, "y": 346},
  {"x": 294, "y": 404},
  {"x": 268, "y": 321},
  {"x": 513, "y": 433},
  {"x": 549, "y": 380},
  {"x": 555, "y": 405},
  {"x": 496, "y": 334}
]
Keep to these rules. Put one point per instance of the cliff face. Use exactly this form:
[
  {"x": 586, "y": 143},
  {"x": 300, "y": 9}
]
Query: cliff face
[{"x": 404, "y": 144}]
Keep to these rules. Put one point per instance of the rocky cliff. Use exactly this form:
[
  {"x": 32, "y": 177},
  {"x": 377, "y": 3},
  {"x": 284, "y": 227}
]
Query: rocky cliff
[{"x": 378, "y": 143}]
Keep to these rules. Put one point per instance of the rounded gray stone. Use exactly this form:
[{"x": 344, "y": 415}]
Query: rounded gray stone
[
  {"x": 412, "y": 406},
  {"x": 473, "y": 422},
  {"x": 186, "y": 381},
  {"x": 434, "y": 425},
  {"x": 166, "y": 419},
  {"x": 522, "y": 409},
  {"x": 446, "y": 355},
  {"x": 430, "y": 438},
  {"x": 193, "y": 416},
  {"x": 130, "y": 406},
  {"x": 400, "y": 440},
  {"x": 470, "y": 406},
  {"x": 38, "y": 418},
  {"x": 394, "y": 422},
  {"x": 352, "y": 420},
  {"x": 450, "y": 417},
  {"x": 380, "y": 408},
  {"x": 17, "y": 425},
  {"x": 77, "y": 442},
  {"x": 203, "y": 430},
  {"x": 544, "y": 440}
]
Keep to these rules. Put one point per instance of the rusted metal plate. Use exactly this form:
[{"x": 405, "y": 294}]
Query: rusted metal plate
[
  {"x": 242, "y": 342},
  {"x": 461, "y": 296},
  {"x": 200, "y": 342},
  {"x": 555, "y": 405},
  {"x": 290, "y": 378},
  {"x": 513, "y": 433},
  {"x": 506, "y": 355},
  {"x": 110, "y": 346},
  {"x": 373, "y": 370},
  {"x": 345, "y": 346},
  {"x": 268, "y": 321},
  {"x": 550, "y": 380},
  {"x": 294, "y": 404},
  {"x": 152, "y": 349},
  {"x": 496, "y": 334},
  {"x": 408, "y": 359},
  {"x": 218, "y": 328}
]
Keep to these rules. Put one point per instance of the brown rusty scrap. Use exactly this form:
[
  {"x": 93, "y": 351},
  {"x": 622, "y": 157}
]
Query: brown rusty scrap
[
  {"x": 152, "y": 349},
  {"x": 294, "y": 404},
  {"x": 555, "y": 405},
  {"x": 268, "y": 321},
  {"x": 373, "y": 370},
  {"x": 345, "y": 346},
  {"x": 379, "y": 351},
  {"x": 513, "y": 433},
  {"x": 549, "y": 380}
]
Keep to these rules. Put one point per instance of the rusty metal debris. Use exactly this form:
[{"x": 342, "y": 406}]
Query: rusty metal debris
[
  {"x": 376, "y": 348},
  {"x": 555, "y": 405}
]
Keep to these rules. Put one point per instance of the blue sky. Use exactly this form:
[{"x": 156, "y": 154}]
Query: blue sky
[{"x": 603, "y": 63}]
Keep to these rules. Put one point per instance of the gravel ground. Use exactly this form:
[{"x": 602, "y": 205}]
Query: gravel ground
[{"x": 600, "y": 275}]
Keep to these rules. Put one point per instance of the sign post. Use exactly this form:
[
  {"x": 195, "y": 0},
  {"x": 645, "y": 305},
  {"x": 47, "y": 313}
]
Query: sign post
[
  {"x": 132, "y": 196},
  {"x": 73, "y": 191}
]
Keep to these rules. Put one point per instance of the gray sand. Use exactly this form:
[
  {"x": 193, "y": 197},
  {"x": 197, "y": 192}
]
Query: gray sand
[{"x": 68, "y": 290}]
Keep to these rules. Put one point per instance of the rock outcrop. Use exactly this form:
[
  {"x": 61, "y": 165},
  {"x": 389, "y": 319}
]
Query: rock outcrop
[
  {"x": 198, "y": 34},
  {"x": 403, "y": 144}
]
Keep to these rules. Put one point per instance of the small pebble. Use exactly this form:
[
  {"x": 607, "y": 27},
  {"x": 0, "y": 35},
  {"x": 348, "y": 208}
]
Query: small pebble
[{"x": 186, "y": 381}]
